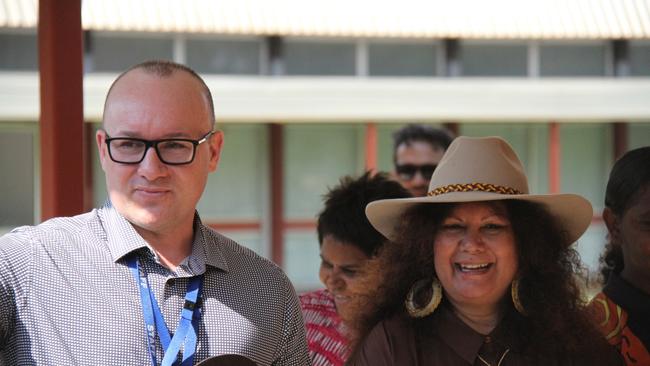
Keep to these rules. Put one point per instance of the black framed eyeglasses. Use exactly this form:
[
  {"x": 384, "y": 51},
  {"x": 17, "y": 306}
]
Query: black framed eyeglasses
[
  {"x": 407, "y": 171},
  {"x": 129, "y": 150}
]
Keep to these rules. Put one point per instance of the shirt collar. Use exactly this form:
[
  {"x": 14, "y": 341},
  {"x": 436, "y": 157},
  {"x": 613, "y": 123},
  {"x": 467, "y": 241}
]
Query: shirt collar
[
  {"x": 457, "y": 335},
  {"x": 122, "y": 240},
  {"x": 630, "y": 298},
  {"x": 464, "y": 340}
]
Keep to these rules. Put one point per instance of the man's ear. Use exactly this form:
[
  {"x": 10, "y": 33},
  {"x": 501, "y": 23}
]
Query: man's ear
[
  {"x": 612, "y": 222},
  {"x": 100, "y": 139},
  {"x": 216, "y": 142}
]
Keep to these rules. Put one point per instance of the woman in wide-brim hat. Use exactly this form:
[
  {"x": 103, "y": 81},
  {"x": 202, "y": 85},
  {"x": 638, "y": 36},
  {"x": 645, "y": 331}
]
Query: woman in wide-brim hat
[{"x": 480, "y": 272}]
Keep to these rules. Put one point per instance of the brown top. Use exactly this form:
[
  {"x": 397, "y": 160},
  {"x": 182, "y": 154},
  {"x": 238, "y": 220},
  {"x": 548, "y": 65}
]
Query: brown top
[{"x": 450, "y": 342}]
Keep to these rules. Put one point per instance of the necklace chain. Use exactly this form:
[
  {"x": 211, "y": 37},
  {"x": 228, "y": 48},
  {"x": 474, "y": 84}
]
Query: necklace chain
[{"x": 500, "y": 360}]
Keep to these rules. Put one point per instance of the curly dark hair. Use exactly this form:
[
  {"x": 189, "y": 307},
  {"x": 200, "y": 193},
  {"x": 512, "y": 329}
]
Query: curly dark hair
[
  {"x": 556, "y": 324},
  {"x": 344, "y": 215},
  {"x": 629, "y": 178}
]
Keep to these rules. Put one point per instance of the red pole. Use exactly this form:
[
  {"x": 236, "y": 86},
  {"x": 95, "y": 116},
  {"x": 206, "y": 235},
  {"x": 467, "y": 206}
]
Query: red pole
[
  {"x": 453, "y": 127},
  {"x": 277, "y": 193},
  {"x": 371, "y": 147},
  {"x": 554, "y": 157},
  {"x": 89, "y": 183},
  {"x": 620, "y": 139},
  {"x": 61, "y": 122}
]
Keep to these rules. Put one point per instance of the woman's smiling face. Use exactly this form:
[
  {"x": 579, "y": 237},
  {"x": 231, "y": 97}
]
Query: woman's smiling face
[
  {"x": 475, "y": 253},
  {"x": 342, "y": 271}
]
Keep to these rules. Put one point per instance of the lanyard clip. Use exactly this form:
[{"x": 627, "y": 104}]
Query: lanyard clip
[{"x": 189, "y": 305}]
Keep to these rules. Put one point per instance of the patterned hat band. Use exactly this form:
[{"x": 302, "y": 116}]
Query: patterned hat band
[{"x": 473, "y": 187}]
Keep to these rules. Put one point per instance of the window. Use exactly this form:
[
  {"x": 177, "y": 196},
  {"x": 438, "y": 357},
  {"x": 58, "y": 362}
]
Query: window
[
  {"x": 17, "y": 186},
  {"x": 319, "y": 58},
  {"x": 498, "y": 59},
  {"x": 116, "y": 53},
  {"x": 235, "y": 191},
  {"x": 402, "y": 59},
  {"x": 218, "y": 56},
  {"x": 638, "y": 135},
  {"x": 315, "y": 157},
  {"x": 19, "y": 52},
  {"x": 586, "y": 159},
  {"x": 639, "y": 59},
  {"x": 572, "y": 60}
]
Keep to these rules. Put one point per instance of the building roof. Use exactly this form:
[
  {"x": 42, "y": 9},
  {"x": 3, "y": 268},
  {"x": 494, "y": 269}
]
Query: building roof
[{"x": 494, "y": 19}]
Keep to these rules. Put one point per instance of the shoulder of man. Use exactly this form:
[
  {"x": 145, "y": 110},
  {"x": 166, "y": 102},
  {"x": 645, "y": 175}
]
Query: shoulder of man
[
  {"x": 20, "y": 252},
  {"x": 253, "y": 280},
  {"x": 241, "y": 258},
  {"x": 50, "y": 232}
]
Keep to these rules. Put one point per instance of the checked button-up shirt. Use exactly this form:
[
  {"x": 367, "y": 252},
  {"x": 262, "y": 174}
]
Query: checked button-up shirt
[{"x": 67, "y": 296}]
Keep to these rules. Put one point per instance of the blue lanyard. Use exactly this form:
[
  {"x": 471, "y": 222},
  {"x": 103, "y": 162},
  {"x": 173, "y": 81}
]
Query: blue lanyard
[{"x": 186, "y": 332}]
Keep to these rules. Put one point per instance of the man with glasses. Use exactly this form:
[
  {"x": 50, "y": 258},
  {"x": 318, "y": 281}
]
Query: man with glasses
[
  {"x": 141, "y": 280},
  {"x": 417, "y": 149}
]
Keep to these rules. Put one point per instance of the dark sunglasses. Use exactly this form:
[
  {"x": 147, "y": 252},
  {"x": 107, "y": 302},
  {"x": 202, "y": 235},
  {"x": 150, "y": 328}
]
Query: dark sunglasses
[{"x": 407, "y": 171}]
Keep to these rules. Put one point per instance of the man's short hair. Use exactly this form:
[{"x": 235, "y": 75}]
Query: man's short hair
[
  {"x": 164, "y": 69},
  {"x": 436, "y": 137},
  {"x": 344, "y": 215}
]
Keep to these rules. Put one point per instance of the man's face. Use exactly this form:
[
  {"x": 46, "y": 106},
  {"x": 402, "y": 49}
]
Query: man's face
[
  {"x": 632, "y": 232},
  {"x": 152, "y": 195},
  {"x": 414, "y": 163}
]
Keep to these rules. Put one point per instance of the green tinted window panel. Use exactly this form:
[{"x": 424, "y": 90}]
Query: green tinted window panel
[
  {"x": 219, "y": 56},
  {"x": 402, "y": 59},
  {"x": 638, "y": 135},
  {"x": 319, "y": 58},
  {"x": 572, "y": 60},
  {"x": 19, "y": 52},
  {"x": 639, "y": 59},
  {"x": 17, "y": 189},
  {"x": 586, "y": 151},
  {"x": 236, "y": 191},
  {"x": 530, "y": 142},
  {"x": 494, "y": 60},
  {"x": 249, "y": 239},
  {"x": 315, "y": 157},
  {"x": 385, "y": 146},
  {"x": 117, "y": 53},
  {"x": 302, "y": 259}
]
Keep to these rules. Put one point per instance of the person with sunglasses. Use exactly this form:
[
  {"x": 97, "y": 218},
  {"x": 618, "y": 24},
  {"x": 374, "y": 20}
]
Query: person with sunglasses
[
  {"x": 417, "y": 149},
  {"x": 141, "y": 280}
]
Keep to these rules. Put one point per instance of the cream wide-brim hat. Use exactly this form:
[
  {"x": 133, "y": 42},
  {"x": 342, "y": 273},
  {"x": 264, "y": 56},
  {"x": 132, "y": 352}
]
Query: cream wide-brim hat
[{"x": 482, "y": 169}]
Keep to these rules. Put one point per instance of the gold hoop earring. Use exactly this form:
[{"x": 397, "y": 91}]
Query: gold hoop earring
[
  {"x": 436, "y": 298},
  {"x": 514, "y": 292}
]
